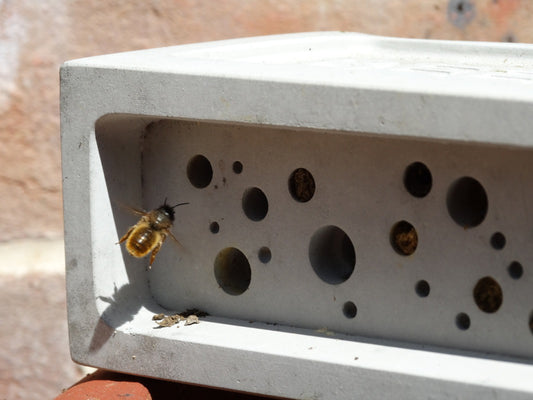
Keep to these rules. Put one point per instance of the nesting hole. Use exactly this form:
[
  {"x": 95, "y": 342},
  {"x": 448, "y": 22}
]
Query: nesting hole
[
  {"x": 467, "y": 202},
  {"x": 462, "y": 321},
  {"x": 332, "y": 254},
  {"x": 232, "y": 271},
  {"x": 515, "y": 270},
  {"x": 488, "y": 295},
  {"x": 531, "y": 322},
  {"x": 237, "y": 167},
  {"x": 497, "y": 241},
  {"x": 422, "y": 288},
  {"x": 199, "y": 171},
  {"x": 301, "y": 185},
  {"x": 403, "y": 238},
  {"x": 349, "y": 309},
  {"x": 254, "y": 204},
  {"x": 264, "y": 254},
  {"x": 214, "y": 227},
  {"x": 417, "y": 179}
]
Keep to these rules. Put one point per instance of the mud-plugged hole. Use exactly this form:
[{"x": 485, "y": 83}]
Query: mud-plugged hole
[
  {"x": 214, "y": 227},
  {"x": 497, "y": 241},
  {"x": 264, "y": 254},
  {"x": 232, "y": 271},
  {"x": 403, "y": 238},
  {"x": 488, "y": 295},
  {"x": 349, "y": 309},
  {"x": 199, "y": 171},
  {"x": 332, "y": 254},
  {"x": 417, "y": 179},
  {"x": 237, "y": 167},
  {"x": 515, "y": 270},
  {"x": 462, "y": 321},
  {"x": 301, "y": 185},
  {"x": 422, "y": 288},
  {"x": 467, "y": 202},
  {"x": 254, "y": 204}
]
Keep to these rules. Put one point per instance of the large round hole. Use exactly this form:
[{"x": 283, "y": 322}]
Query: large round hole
[
  {"x": 301, "y": 185},
  {"x": 349, "y": 309},
  {"x": 417, "y": 179},
  {"x": 214, "y": 227},
  {"x": 232, "y": 271},
  {"x": 403, "y": 238},
  {"x": 462, "y": 321},
  {"x": 199, "y": 171},
  {"x": 488, "y": 295},
  {"x": 254, "y": 204},
  {"x": 467, "y": 202},
  {"x": 332, "y": 254}
]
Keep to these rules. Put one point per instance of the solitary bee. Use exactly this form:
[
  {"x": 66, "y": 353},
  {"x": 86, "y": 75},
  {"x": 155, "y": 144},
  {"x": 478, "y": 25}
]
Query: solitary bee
[{"x": 150, "y": 232}]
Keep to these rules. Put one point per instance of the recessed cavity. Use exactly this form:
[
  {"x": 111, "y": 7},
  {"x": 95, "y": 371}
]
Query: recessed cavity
[
  {"x": 467, "y": 202},
  {"x": 403, "y": 238},
  {"x": 462, "y": 321},
  {"x": 488, "y": 295},
  {"x": 232, "y": 271},
  {"x": 332, "y": 254},
  {"x": 254, "y": 204},
  {"x": 237, "y": 167},
  {"x": 497, "y": 241},
  {"x": 199, "y": 171},
  {"x": 301, "y": 185},
  {"x": 214, "y": 227},
  {"x": 515, "y": 270},
  {"x": 422, "y": 288},
  {"x": 264, "y": 254},
  {"x": 417, "y": 179},
  {"x": 349, "y": 309}
]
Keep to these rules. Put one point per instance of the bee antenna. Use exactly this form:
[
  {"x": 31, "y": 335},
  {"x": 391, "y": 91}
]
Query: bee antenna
[{"x": 180, "y": 204}]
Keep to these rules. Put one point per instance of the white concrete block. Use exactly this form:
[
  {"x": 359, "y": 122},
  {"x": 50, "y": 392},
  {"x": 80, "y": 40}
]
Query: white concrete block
[{"x": 358, "y": 221}]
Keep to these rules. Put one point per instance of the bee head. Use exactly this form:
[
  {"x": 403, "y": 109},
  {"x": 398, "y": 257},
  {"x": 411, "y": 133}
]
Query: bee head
[{"x": 169, "y": 210}]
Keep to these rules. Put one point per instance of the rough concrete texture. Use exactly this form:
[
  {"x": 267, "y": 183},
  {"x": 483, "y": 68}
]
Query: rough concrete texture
[
  {"x": 36, "y": 37},
  {"x": 34, "y": 361}
]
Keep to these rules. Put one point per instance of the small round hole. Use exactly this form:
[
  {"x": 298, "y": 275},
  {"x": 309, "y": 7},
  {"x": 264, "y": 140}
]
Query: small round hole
[
  {"x": 497, "y": 241},
  {"x": 237, "y": 167},
  {"x": 422, "y": 288},
  {"x": 488, "y": 295},
  {"x": 332, "y": 254},
  {"x": 417, "y": 179},
  {"x": 467, "y": 202},
  {"x": 232, "y": 271},
  {"x": 515, "y": 270},
  {"x": 264, "y": 255},
  {"x": 214, "y": 227},
  {"x": 255, "y": 204},
  {"x": 462, "y": 321},
  {"x": 199, "y": 171},
  {"x": 349, "y": 309},
  {"x": 403, "y": 238},
  {"x": 301, "y": 185}
]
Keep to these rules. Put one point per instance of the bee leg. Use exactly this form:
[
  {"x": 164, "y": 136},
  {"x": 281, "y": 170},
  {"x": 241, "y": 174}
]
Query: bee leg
[
  {"x": 125, "y": 235},
  {"x": 154, "y": 252}
]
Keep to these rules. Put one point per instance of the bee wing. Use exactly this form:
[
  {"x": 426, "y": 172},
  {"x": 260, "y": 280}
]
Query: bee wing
[
  {"x": 132, "y": 210},
  {"x": 176, "y": 240}
]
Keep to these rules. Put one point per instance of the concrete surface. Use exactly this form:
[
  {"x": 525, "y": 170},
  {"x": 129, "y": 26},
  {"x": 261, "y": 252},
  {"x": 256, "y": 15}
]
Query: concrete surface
[
  {"x": 34, "y": 361},
  {"x": 36, "y": 37}
]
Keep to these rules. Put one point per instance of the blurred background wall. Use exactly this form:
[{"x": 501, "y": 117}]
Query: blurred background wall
[{"x": 36, "y": 36}]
